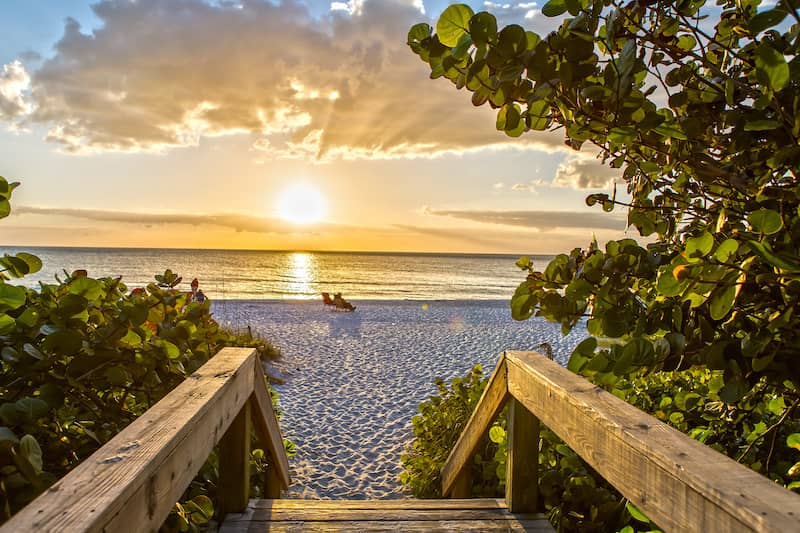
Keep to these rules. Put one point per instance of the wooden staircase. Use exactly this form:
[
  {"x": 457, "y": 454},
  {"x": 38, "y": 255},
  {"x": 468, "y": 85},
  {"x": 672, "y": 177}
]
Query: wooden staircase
[
  {"x": 134, "y": 480},
  {"x": 382, "y": 515}
]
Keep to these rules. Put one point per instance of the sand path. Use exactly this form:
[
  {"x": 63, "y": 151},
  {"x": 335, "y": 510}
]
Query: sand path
[{"x": 354, "y": 380}]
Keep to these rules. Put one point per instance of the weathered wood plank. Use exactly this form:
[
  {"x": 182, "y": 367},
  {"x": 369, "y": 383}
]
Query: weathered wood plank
[
  {"x": 233, "y": 492},
  {"x": 445, "y": 526},
  {"x": 489, "y": 406},
  {"x": 132, "y": 482},
  {"x": 450, "y": 503},
  {"x": 311, "y": 514},
  {"x": 269, "y": 433},
  {"x": 679, "y": 483},
  {"x": 522, "y": 468}
]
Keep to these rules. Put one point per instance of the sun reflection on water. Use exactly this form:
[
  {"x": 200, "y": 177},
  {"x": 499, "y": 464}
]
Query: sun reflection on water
[{"x": 300, "y": 276}]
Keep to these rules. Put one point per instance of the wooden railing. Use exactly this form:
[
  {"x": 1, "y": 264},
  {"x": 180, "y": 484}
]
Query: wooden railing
[
  {"x": 679, "y": 483},
  {"x": 133, "y": 482}
]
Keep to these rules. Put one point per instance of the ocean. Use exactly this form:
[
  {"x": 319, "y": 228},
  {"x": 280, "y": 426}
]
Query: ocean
[{"x": 276, "y": 275}]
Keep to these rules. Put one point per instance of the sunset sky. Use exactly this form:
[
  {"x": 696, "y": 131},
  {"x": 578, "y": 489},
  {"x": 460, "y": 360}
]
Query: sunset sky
[{"x": 183, "y": 123}]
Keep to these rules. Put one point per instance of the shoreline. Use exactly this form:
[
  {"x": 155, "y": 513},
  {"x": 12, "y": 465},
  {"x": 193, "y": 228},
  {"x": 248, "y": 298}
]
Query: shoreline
[{"x": 354, "y": 380}]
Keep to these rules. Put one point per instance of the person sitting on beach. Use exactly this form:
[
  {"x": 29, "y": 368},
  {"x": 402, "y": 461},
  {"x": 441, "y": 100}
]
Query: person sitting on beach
[
  {"x": 341, "y": 303},
  {"x": 196, "y": 295}
]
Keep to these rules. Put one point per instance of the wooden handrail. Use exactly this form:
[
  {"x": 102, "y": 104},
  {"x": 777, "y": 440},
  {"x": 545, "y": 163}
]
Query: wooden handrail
[
  {"x": 679, "y": 483},
  {"x": 133, "y": 482}
]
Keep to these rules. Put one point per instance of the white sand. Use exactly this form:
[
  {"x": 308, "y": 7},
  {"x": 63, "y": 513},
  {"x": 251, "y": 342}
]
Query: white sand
[{"x": 354, "y": 380}]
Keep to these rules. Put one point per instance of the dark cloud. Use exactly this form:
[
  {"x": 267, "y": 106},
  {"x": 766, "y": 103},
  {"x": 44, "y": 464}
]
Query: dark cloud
[{"x": 541, "y": 220}]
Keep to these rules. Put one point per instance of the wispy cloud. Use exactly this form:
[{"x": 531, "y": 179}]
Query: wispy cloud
[
  {"x": 236, "y": 222},
  {"x": 540, "y": 220},
  {"x": 160, "y": 74}
]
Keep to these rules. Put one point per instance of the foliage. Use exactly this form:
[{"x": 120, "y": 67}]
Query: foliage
[
  {"x": 711, "y": 175},
  {"x": 81, "y": 359},
  {"x": 436, "y": 430},
  {"x": 697, "y": 106},
  {"x": 575, "y": 498}
]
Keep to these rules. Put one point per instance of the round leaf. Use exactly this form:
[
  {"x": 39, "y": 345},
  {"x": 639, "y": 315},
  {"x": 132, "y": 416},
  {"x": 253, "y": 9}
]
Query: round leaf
[
  {"x": 722, "y": 301},
  {"x": 771, "y": 67},
  {"x": 453, "y": 24},
  {"x": 553, "y": 8},
  {"x": 483, "y": 28},
  {"x": 765, "y": 221},
  {"x": 699, "y": 246}
]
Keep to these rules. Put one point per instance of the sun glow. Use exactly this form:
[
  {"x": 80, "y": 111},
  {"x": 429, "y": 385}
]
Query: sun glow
[{"x": 301, "y": 204}]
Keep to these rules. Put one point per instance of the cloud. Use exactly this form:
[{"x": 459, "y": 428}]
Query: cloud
[
  {"x": 161, "y": 74},
  {"x": 14, "y": 84},
  {"x": 540, "y": 220},
  {"x": 237, "y": 222},
  {"x": 584, "y": 172},
  {"x": 531, "y": 186}
]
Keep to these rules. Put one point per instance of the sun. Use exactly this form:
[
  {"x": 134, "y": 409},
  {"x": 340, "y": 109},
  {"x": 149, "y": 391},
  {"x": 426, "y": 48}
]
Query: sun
[{"x": 301, "y": 203}]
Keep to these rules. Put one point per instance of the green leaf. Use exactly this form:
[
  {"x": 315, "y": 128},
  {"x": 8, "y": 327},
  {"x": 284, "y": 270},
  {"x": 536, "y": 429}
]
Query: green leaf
[
  {"x": 170, "y": 350},
  {"x": 32, "y": 408},
  {"x": 417, "y": 34},
  {"x": 7, "y": 324},
  {"x": 497, "y": 434},
  {"x": 793, "y": 441},
  {"x": 761, "y": 125},
  {"x": 453, "y": 24},
  {"x": 52, "y": 394},
  {"x": 722, "y": 301},
  {"x": 636, "y": 513},
  {"x": 89, "y": 288},
  {"x": 764, "y": 250},
  {"x": 63, "y": 342},
  {"x": 771, "y": 67},
  {"x": 734, "y": 390},
  {"x": 29, "y": 448},
  {"x": 11, "y": 297},
  {"x": 483, "y": 28},
  {"x": 524, "y": 262},
  {"x": 117, "y": 376},
  {"x": 554, "y": 8},
  {"x": 766, "y": 19},
  {"x": 726, "y": 250},
  {"x": 699, "y": 246},
  {"x": 34, "y": 263},
  {"x": 7, "y": 436},
  {"x": 765, "y": 221},
  {"x": 203, "y": 505}
]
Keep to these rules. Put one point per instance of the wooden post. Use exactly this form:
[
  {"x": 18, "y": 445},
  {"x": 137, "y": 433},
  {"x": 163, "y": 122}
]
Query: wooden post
[
  {"x": 272, "y": 482},
  {"x": 462, "y": 488},
  {"x": 233, "y": 490},
  {"x": 522, "y": 469}
]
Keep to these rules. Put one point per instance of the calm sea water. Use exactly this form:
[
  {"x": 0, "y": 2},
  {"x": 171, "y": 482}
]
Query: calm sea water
[{"x": 236, "y": 274}]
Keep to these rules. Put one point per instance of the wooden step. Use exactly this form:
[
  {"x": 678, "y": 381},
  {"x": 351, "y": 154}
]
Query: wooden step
[{"x": 381, "y": 515}]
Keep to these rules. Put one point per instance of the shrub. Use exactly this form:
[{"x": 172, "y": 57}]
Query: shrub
[{"x": 81, "y": 358}]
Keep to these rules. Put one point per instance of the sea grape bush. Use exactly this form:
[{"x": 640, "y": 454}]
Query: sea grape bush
[
  {"x": 697, "y": 106},
  {"x": 437, "y": 428},
  {"x": 81, "y": 359},
  {"x": 573, "y": 496}
]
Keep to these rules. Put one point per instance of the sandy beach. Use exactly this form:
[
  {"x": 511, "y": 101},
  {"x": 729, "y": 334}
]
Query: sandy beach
[{"x": 354, "y": 380}]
